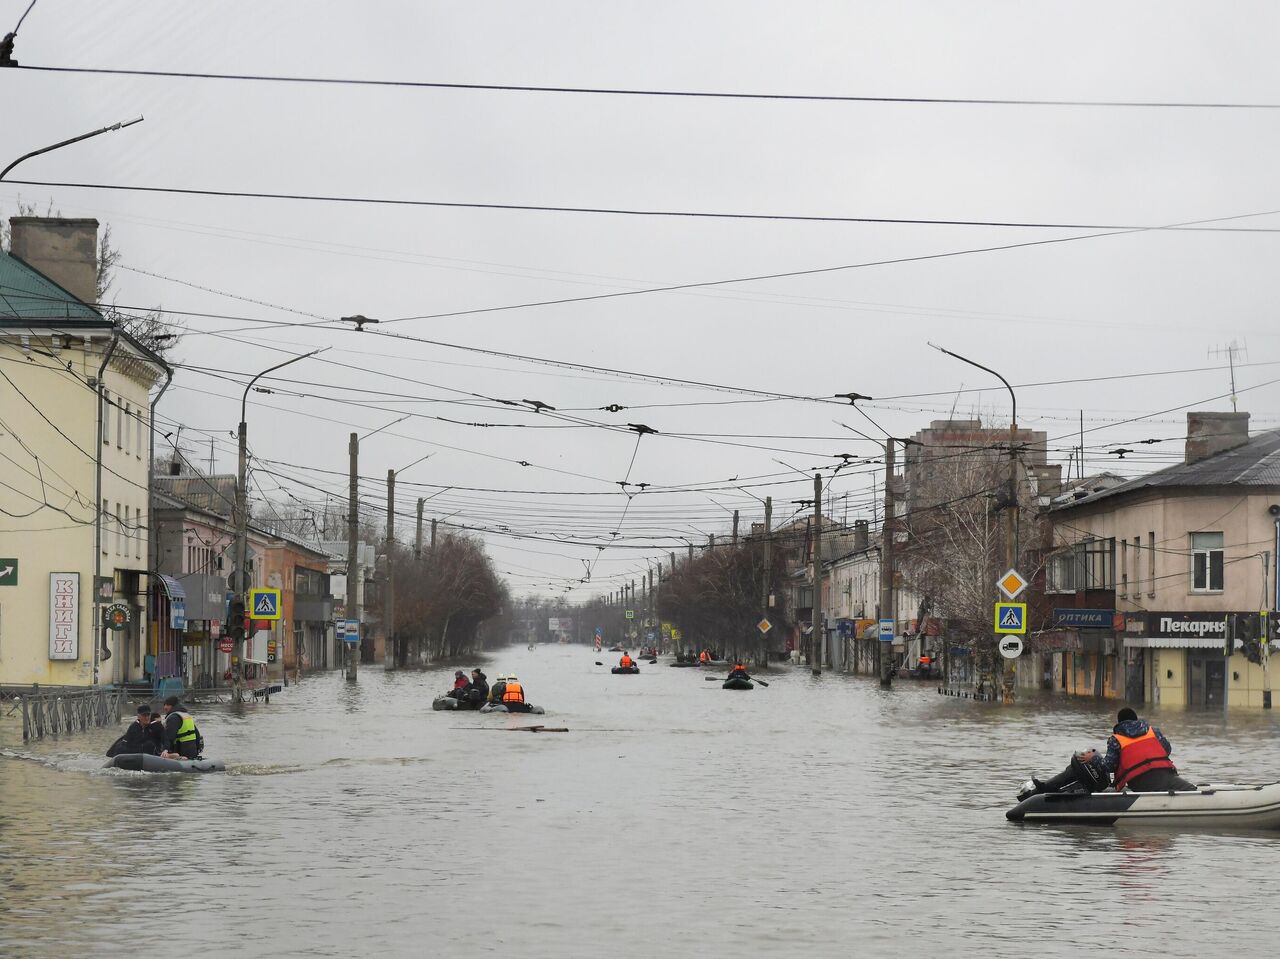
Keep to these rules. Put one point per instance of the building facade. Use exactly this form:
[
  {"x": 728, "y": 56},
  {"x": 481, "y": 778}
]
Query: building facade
[{"x": 77, "y": 397}]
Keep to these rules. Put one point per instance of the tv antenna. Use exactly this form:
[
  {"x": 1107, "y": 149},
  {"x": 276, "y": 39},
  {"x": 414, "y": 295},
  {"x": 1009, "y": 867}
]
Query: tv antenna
[{"x": 1231, "y": 351}]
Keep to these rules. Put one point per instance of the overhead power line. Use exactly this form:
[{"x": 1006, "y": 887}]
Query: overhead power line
[
  {"x": 633, "y": 212},
  {"x": 640, "y": 92}
]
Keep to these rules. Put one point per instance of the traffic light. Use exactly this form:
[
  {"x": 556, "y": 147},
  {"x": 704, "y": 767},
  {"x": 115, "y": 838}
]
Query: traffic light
[
  {"x": 237, "y": 625},
  {"x": 1249, "y": 635}
]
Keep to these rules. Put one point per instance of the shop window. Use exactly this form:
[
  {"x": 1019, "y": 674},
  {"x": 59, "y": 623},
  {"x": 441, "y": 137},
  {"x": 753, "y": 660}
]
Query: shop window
[{"x": 1206, "y": 562}]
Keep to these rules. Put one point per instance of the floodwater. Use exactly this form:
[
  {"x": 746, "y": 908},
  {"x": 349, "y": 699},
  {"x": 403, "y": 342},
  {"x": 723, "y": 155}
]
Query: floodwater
[{"x": 817, "y": 817}]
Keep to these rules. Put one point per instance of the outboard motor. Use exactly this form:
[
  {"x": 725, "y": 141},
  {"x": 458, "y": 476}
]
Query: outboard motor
[{"x": 1091, "y": 776}]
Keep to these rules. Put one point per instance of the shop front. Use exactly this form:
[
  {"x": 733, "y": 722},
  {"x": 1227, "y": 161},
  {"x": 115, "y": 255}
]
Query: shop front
[{"x": 1182, "y": 656}]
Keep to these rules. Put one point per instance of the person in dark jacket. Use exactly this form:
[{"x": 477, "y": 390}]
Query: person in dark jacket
[
  {"x": 1138, "y": 757},
  {"x": 738, "y": 672},
  {"x": 182, "y": 739},
  {"x": 478, "y": 688},
  {"x": 140, "y": 737}
]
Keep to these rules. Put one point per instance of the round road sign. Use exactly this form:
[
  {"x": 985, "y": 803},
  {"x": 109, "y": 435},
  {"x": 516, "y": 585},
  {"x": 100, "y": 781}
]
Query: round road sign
[{"x": 1010, "y": 647}]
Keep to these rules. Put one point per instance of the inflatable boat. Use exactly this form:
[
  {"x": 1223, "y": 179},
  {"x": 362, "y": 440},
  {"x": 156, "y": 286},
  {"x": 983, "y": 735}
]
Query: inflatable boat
[
  {"x": 1220, "y": 806},
  {"x": 680, "y": 665},
  {"x": 738, "y": 683},
  {"x": 512, "y": 708},
  {"x": 625, "y": 670},
  {"x": 142, "y": 762},
  {"x": 446, "y": 701}
]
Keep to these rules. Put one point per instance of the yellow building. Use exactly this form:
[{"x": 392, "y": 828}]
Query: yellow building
[{"x": 77, "y": 395}]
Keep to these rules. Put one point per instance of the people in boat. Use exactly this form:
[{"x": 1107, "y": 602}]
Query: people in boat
[
  {"x": 182, "y": 739},
  {"x": 512, "y": 692},
  {"x": 141, "y": 736},
  {"x": 1085, "y": 773},
  {"x": 459, "y": 679},
  {"x": 1138, "y": 756},
  {"x": 704, "y": 657},
  {"x": 626, "y": 662},
  {"x": 498, "y": 688},
  {"x": 738, "y": 672}
]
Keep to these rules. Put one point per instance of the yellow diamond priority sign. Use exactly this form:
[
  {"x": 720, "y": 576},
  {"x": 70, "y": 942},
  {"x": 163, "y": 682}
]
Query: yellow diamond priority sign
[
  {"x": 1012, "y": 583},
  {"x": 764, "y": 626}
]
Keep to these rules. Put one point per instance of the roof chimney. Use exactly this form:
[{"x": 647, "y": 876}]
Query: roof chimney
[
  {"x": 861, "y": 538},
  {"x": 64, "y": 250},
  {"x": 1212, "y": 433}
]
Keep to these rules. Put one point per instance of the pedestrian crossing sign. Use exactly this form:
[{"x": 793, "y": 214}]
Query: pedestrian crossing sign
[
  {"x": 1011, "y": 617},
  {"x": 264, "y": 604}
]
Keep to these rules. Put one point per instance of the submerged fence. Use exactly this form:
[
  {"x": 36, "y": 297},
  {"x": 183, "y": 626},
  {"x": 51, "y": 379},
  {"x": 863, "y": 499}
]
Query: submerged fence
[{"x": 55, "y": 711}]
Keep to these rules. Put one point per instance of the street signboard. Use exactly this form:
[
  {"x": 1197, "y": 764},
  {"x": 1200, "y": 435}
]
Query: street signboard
[
  {"x": 340, "y": 628},
  {"x": 1011, "y": 617},
  {"x": 1012, "y": 583},
  {"x": 9, "y": 572},
  {"x": 64, "y": 616},
  {"x": 226, "y": 644},
  {"x": 676, "y": 635},
  {"x": 886, "y": 630},
  {"x": 630, "y": 614},
  {"x": 1084, "y": 618},
  {"x": 117, "y": 616},
  {"x": 1011, "y": 647},
  {"x": 764, "y": 626},
  {"x": 104, "y": 587},
  {"x": 264, "y": 604},
  {"x": 600, "y": 631},
  {"x": 352, "y": 632}
]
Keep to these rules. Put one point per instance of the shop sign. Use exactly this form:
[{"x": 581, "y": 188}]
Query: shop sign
[
  {"x": 117, "y": 616},
  {"x": 64, "y": 615},
  {"x": 1085, "y": 618},
  {"x": 1187, "y": 625}
]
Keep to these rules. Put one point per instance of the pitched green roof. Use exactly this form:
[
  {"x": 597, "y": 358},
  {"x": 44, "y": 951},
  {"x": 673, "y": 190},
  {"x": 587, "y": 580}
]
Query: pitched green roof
[{"x": 27, "y": 294}]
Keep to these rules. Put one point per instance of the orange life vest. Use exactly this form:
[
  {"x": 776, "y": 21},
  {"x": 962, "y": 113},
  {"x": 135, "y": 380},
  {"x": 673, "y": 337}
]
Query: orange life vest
[
  {"x": 703, "y": 657},
  {"x": 739, "y": 666},
  {"x": 514, "y": 693},
  {"x": 626, "y": 661},
  {"x": 1139, "y": 755}
]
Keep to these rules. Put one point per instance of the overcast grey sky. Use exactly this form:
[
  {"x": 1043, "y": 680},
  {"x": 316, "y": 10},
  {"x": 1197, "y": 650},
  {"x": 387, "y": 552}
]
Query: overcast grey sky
[{"x": 1095, "y": 307}]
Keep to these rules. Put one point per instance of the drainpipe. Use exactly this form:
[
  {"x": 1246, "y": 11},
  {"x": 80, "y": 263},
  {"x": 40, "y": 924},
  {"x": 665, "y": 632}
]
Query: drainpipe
[
  {"x": 153, "y": 546},
  {"x": 97, "y": 503}
]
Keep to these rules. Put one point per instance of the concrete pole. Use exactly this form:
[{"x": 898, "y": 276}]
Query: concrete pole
[
  {"x": 242, "y": 563},
  {"x": 888, "y": 529},
  {"x": 433, "y": 539},
  {"x": 353, "y": 553},
  {"x": 816, "y": 637},
  {"x": 417, "y": 542},
  {"x": 768, "y": 572},
  {"x": 389, "y": 595},
  {"x": 1011, "y": 543},
  {"x": 735, "y": 529}
]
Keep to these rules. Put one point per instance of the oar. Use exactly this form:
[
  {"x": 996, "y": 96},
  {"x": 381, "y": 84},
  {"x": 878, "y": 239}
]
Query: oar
[
  {"x": 717, "y": 679},
  {"x": 653, "y": 662}
]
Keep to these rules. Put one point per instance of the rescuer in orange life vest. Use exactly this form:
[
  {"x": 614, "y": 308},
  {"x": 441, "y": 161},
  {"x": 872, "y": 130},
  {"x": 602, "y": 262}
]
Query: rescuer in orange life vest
[
  {"x": 1137, "y": 758},
  {"x": 738, "y": 672},
  {"x": 704, "y": 657},
  {"x": 626, "y": 662},
  {"x": 512, "y": 691}
]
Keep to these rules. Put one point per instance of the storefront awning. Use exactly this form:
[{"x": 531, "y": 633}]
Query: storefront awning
[
  {"x": 172, "y": 588},
  {"x": 1173, "y": 642}
]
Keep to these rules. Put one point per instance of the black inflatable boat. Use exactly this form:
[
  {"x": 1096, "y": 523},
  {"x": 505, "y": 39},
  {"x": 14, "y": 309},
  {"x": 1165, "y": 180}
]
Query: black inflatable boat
[
  {"x": 142, "y": 762},
  {"x": 1224, "y": 806},
  {"x": 625, "y": 670}
]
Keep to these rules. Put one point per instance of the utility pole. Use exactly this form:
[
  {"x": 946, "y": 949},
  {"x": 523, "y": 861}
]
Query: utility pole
[
  {"x": 389, "y": 595},
  {"x": 816, "y": 637},
  {"x": 768, "y": 572},
  {"x": 691, "y": 552},
  {"x": 887, "y": 532},
  {"x": 711, "y": 542},
  {"x": 417, "y": 543},
  {"x": 433, "y": 538},
  {"x": 735, "y": 529},
  {"x": 353, "y": 649},
  {"x": 1011, "y": 536}
]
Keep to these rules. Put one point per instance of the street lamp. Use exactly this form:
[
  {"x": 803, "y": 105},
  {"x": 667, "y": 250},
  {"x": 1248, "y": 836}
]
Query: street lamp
[
  {"x": 1011, "y": 514},
  {"x": 242, "y": 529},
  {"x": 84, "y": 136}
]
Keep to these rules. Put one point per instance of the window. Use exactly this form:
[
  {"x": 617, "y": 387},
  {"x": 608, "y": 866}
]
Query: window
[
  {"x": 128, "y": 532},
  {"x": 103, "y": 516},
  {"x": 119, "y": 530},
  {"x": 106, "y": 418},
  {"x": 1124, "y": 567},
  {"x": 137, "y": 539},
  {"x": 1151, "y": 564},
  {"x": 120, "y": 414},
  {"x": 1137, "y": 566},
  {"x": 1084, "y": 566},
  {"x": 1206, "y": 562},
  {"x": 138, "y": 433}
]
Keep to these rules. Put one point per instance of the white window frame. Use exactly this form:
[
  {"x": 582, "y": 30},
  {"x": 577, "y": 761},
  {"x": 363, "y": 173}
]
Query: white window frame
[
  {"x": 106, "y": 417},
  {"x": 1207, "y": 553}
]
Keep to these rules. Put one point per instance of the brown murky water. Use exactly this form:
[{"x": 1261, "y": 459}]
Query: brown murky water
[{"x": 815, "y": 817}]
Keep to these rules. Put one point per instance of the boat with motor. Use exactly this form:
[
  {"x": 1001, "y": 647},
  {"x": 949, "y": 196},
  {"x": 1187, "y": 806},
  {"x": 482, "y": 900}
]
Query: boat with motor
[
  {"x": 512, "y": 708},
  {"x": 146, "y": 763},
  {"x": 738, "y": 683},
  {"x": 1212, "y": 805},
  {"x": 624, "y": 670}
]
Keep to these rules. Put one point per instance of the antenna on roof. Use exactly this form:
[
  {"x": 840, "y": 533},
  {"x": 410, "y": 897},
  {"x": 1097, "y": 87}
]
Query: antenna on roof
[{"x": 1231, "y": 351}]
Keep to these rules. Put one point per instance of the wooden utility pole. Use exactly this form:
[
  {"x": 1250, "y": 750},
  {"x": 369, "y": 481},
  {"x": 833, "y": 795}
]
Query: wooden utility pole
[
  {"x": 735, "y": 529},
  {"x": 353, "y": 554},
  {"x": 389, "y": 594},
  {"x": 816, "y": 635},
  {"x": 768, "y": 571},
  {"x": 691, "y": 552},
  {"x": 887, "y": 532},
  {"x": 417, "y": 542}
]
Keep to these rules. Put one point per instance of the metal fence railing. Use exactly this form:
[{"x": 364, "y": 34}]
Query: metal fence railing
[{"x": 47, "y": 712}]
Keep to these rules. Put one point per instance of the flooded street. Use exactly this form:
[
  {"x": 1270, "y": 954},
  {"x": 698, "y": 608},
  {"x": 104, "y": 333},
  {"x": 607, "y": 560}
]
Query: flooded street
[{"x": 818, "y": 817}]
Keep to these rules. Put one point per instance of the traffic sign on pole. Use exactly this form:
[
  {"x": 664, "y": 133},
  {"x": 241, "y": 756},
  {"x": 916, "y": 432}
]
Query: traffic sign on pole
[
  {"x": 764, "y": 626},
  {"x": 886, "y": 630},
  {"x": 9, "y": 572},
  {"x": 264, "y": 604},
  {"x": 1012, "y": 583},
  {"x": 1011, "y": 617},
  {"x": 1011, "y": 647}
]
